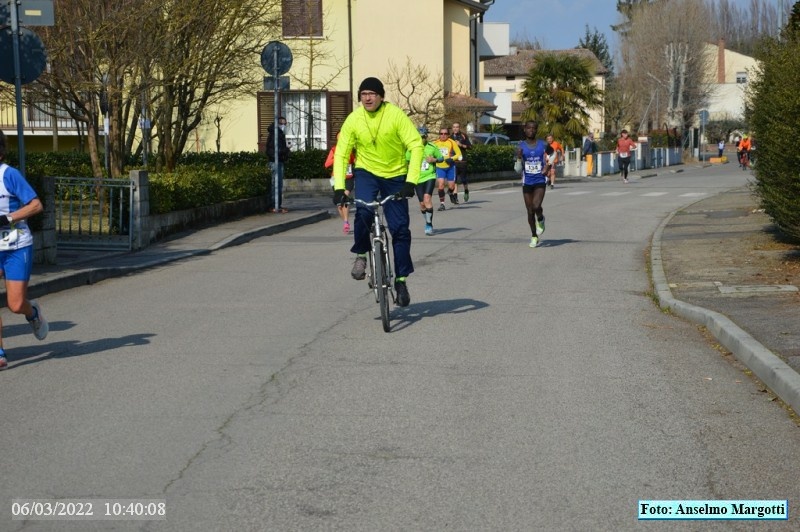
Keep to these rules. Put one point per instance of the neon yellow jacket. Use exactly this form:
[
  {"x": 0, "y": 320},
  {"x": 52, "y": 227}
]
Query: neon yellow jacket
[{"x": 381, "y": 139}]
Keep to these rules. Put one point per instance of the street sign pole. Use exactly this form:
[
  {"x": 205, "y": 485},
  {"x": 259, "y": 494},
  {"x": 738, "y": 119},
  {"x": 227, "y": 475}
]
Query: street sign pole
[
  {"x": 275, "y": 170},
  {"x": 276, "y": 59},
  {"x": 18, "y": 84}
]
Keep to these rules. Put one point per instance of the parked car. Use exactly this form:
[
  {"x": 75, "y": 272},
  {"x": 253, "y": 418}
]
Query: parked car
[{"x": 497, "y": 139}]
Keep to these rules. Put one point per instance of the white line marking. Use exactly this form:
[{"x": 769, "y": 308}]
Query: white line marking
[
  {"x": 578, "y": 193},
  {"x": 654, "y": 194},
  {"x": 615, "y": 193}
]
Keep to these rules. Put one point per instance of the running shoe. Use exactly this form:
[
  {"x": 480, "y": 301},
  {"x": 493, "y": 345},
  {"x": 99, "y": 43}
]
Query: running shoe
[
  {"x": 428, "y": 229},
  {"x": 441, "y": 206},
  {"x": 3, "y": 363},
  {"x": 403, "y": 298},
  {"x": 552, "y": 186},
  {"x": 534, "y": 242},
  {"x": 359, "y": 268},
  {"x": 539, "y": 227},
  {"x": 466, "y": 196},
  {"x": 38, "y": 323},
  {"x": 346, "y": 228},
  {"x": 624, "y": 179}
]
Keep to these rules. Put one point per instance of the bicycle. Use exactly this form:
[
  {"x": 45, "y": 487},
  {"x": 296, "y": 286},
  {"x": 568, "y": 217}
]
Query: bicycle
[{"x": 381, "y": 276}]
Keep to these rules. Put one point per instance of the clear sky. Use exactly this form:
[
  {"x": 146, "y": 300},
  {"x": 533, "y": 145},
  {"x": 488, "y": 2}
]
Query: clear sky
[
  {"x": 556, "y": 24},
  {"x": 560, "y": 24}
]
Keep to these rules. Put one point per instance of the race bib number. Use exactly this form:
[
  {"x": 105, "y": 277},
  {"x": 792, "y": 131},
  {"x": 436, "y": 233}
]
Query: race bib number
[
  {"x": 425, "y": 165},
  {"x": 624, "y": 154},
  {"x": 445, "y": 152},
  {"x": 533, "y": 167}
]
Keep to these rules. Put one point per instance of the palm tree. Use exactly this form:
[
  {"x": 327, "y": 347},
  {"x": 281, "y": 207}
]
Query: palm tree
[{"x": 559, "y": 92}]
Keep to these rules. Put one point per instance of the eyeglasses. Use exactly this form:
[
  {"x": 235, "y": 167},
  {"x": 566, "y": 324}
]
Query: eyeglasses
[
  {"x": 368, "y": 94},
  {"x": 443, "y": 132}
]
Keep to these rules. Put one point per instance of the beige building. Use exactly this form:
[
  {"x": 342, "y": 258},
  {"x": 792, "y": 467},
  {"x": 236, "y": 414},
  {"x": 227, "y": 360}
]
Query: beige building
[
  {"x": 728, "y": 78},
  {"x": 504, "y": 77}
]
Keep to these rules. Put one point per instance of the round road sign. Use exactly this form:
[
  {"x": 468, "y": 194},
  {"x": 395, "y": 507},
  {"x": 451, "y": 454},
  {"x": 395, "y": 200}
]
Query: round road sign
[
  {"x": 276, "y": 58},
  {"x": 32, "y": 56}
]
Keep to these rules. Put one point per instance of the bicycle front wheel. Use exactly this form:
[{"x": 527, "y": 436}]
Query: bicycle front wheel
[{"x": 382, "y": 283}]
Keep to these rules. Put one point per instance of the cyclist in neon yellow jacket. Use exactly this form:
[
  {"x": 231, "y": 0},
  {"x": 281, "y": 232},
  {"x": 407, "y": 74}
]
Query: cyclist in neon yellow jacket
[{"x": 381, "y": 133}]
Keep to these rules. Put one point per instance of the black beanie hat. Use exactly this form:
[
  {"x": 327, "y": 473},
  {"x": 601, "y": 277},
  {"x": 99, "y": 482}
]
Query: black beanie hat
[{"x": 372, "y": 84}]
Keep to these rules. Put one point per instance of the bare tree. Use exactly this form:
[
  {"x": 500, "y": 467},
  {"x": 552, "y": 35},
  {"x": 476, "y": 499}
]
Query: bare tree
[
  {"x": 170, "y": 59},
  {"x": 664, "y": 58},
  {"x": 420, "y": 94}
]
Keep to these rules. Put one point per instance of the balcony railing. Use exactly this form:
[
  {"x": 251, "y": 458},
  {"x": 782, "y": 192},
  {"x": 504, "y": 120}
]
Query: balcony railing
[{"x": 35, "y": 121}]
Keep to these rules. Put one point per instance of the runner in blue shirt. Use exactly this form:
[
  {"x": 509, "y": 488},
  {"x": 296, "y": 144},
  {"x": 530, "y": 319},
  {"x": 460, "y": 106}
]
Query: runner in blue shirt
[
  {"x": 532, "y": 163},
  {"x": 18, "y": 202}
]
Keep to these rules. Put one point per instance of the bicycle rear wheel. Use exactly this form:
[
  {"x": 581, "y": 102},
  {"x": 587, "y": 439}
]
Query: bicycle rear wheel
[{"x": 382, "y": 284}]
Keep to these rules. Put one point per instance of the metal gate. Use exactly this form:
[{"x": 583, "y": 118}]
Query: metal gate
[{"x": 94, "y": 213}]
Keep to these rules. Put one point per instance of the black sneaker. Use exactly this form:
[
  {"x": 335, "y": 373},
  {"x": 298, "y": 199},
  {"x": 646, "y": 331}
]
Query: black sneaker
[
  {"x": 400, "y": 288},
  {"x": 441, "y": 206}
]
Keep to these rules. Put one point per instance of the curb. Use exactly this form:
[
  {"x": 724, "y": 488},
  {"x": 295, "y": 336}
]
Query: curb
[{"x": 773, "y": 372}]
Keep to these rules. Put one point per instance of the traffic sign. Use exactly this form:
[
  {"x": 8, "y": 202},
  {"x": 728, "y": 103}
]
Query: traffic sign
[
  {"x": 276, "y": 58},
  {"x": 32, "y": 56},
  {"x": 703, "y": 117}
]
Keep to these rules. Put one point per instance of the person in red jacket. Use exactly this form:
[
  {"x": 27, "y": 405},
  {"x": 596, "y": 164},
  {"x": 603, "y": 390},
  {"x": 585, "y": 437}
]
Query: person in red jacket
[
  {"x": 624, "y": 150},
  {"x": 344, "y": 210}
]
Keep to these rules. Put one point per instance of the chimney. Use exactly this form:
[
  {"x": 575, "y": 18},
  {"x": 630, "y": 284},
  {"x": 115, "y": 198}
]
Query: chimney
[{"x": 721, "y": 61}]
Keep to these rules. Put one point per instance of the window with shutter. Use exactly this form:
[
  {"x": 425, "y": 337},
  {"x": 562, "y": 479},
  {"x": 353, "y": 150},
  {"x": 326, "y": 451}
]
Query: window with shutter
[{"x": 302, "y": 18}]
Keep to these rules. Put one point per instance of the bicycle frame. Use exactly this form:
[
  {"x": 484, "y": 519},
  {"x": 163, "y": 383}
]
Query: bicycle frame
[{"x": 381, "y": 276}]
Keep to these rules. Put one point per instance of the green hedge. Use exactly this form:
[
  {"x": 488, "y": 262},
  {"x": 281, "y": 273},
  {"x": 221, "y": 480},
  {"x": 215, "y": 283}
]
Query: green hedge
[{"x": 207, "y": 178}]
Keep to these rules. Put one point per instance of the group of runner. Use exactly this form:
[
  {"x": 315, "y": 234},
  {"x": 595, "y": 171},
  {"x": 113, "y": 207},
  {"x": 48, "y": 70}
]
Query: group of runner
[{"x": 444, "y": 166}]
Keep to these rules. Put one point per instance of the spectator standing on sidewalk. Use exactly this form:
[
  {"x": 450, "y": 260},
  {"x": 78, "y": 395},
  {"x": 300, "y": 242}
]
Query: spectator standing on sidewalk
[
  {"x": 625, "y": 145},
  {"x": 589, "y": 149},
  {"x": 283, "y": 156},
  {"x": 464, "y": 145},
  {"x": 531, "y": 162},
  {"x": 18, "y": 202}
]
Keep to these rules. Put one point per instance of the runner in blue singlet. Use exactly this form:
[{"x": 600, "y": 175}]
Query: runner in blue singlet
[{"x": 532, "y": 163}]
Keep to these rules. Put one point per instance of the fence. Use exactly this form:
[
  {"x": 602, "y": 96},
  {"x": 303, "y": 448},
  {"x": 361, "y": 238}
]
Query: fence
[{"x": 94, "y": 213}]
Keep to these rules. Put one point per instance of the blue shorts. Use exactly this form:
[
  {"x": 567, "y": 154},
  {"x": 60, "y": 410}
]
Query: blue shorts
[
  {"x": 448, "y": 173},
  {"x": 16, "y": 264}
]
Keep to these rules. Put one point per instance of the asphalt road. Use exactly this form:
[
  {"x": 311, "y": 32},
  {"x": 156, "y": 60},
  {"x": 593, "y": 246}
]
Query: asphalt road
[{"x": 522, "y": 389}]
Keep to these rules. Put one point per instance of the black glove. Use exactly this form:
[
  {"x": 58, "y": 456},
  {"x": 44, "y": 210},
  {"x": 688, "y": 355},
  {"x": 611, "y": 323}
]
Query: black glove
[
  {"x": 4, "y": 220},
  {"x": 449, "y": 160},
  {"x": 339, "y": 197},
  {"x": 408, "y": 191}
]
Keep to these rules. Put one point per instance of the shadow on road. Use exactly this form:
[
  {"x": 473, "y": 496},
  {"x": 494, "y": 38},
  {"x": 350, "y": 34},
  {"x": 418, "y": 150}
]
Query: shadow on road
[
  {"x": 37, "y": 353},
  {"x": 403, "y": 317}
]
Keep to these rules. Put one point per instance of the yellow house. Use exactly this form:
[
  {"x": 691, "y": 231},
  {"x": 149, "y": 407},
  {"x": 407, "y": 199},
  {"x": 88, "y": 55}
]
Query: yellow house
[
  {"x": 337, "y": 43},
  {"x": 334, "y": 45}
]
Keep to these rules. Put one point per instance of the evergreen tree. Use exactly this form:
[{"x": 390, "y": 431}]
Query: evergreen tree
[
  {"x": 775, "y": 121},
  {"x": 559, "y": 91},
  {"x": 596, "y": 42}
]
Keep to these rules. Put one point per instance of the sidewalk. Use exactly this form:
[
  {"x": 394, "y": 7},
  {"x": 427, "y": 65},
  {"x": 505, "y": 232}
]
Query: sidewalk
[{"x": 713, "y": 262}]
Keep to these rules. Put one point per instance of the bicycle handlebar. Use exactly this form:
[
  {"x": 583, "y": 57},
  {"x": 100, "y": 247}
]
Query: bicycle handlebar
[{"x": 375, "y": 203}]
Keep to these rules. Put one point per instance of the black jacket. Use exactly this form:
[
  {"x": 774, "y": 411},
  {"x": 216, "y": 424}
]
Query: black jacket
[{"x": 283, "y": 148}]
